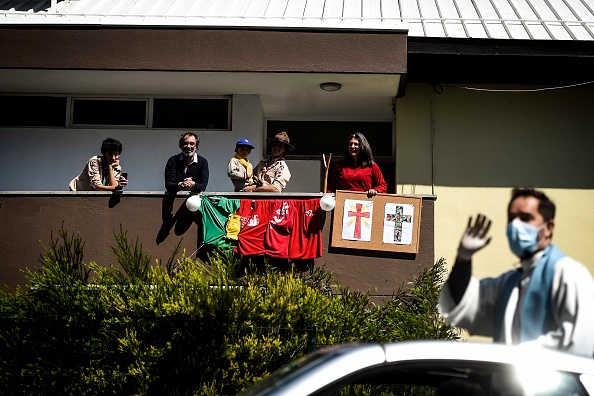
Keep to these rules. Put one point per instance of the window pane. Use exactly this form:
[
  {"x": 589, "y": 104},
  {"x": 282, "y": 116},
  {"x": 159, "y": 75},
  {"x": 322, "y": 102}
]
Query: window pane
[
  {"x": 32, "y": 111},
  {"x": 109, "y": 112},
  {"x": 318, "y": 137},
  {"x": 191, "y": 113}
]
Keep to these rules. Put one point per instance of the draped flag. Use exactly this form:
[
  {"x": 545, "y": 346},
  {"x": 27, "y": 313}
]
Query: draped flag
[{"x": 288, "y": 229}]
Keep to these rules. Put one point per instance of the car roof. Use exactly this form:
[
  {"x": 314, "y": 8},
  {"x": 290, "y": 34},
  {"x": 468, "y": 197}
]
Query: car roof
[
  {"x": 323, "y": 367},
  {"x": 528, "y": 353}
]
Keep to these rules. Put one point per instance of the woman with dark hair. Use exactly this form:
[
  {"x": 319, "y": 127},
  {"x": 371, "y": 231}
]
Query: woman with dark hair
[
  {"x": 358, "y": 171},
  {"x": 102, "y": 172}
]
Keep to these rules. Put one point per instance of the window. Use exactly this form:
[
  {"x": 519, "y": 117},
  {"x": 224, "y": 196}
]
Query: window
[
  {"x": 32, "y": 111},
  {"x": 314, "y": 138},
  {"x": 113, "y": 112},
  {"x": 147, "y": 112},
  {"x": 191, "y": 113}
]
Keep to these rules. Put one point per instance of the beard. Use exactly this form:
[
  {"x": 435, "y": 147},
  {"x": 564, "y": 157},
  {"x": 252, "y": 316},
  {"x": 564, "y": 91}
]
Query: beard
[{"x": 189, "y": 153}]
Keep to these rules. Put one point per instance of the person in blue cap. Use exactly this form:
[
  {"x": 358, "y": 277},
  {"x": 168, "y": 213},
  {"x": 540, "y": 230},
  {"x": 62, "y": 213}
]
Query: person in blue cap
[{"x": 240, "y": 169}]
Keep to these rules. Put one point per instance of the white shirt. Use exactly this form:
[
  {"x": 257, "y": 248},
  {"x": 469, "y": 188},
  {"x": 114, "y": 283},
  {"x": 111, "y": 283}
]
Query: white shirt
[{"x": 572, "y": 296}]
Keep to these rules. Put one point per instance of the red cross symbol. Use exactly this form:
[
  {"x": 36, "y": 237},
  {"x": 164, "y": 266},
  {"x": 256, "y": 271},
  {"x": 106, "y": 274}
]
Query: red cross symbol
[{"x": 358, "y": 214}]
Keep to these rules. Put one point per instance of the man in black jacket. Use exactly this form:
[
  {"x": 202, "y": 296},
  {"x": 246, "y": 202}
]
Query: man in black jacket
[{"x": 187, "y": 171}]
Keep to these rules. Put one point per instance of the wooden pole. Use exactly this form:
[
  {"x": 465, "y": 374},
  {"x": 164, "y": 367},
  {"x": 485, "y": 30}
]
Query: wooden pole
[{"x": 327, "y": 165}]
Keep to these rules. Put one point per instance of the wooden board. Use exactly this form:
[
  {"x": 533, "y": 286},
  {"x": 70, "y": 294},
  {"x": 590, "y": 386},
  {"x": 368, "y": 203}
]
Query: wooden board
[{"x": 386, "y": 222}]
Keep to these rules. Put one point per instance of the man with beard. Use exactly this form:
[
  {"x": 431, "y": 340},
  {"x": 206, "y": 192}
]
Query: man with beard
[
  {"x": 548, "y": 299},
  {"x": 187, "y": 171}
]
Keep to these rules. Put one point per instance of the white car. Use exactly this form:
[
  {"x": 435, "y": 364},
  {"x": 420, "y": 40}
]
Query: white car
[{"x": 432, "y": 368}]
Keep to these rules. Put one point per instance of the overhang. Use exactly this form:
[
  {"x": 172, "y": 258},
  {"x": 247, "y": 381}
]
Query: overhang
[
  {"x": 199, "y": 49},
  {"x": 490, "y": 61}
]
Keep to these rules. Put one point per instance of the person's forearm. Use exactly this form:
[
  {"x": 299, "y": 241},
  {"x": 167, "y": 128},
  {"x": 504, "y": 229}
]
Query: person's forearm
[
  {"x": 105, "y": 188},
  {"x": 113, "y": 183},
  {"x": 459, "y": 278},
  {"x": 266, "y": 188},
  {"x": 199, "y": 186}
]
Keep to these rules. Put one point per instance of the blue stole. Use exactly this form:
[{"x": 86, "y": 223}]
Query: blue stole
[{"x": 537, "y": 308}]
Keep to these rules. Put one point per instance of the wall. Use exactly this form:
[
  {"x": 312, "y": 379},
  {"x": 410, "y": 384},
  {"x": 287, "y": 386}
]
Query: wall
[
  {"x": 204, "y": 49},
  {"x": 484, "y": 144},
  {"x": 49, "y": 158},
  {"x": 28, "y": 219}
]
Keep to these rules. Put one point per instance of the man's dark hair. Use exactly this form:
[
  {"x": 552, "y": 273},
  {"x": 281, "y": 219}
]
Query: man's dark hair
[
  {"x": 545, "y": 206},
  {"x": 112, "y": 145},
  {"x": 365, "y": 153},
  {"x": 183, "y": 135}
]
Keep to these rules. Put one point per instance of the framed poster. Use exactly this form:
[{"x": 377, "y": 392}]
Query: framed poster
[{"x": 386, "y": 222}]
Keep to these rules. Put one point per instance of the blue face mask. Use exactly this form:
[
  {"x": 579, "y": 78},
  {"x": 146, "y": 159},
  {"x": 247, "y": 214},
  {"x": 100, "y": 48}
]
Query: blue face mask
[{"x": 522, "y": 237}]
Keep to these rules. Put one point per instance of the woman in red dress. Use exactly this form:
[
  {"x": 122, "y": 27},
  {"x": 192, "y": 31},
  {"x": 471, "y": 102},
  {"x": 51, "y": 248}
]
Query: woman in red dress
[{"x": 358, "y": 171}]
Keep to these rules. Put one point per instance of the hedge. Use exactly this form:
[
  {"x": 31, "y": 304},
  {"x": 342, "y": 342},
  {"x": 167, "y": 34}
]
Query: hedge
[{"x": 185, "y": 327}]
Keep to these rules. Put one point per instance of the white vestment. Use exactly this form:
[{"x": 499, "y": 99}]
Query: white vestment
[{"x": 572, "y": 296}]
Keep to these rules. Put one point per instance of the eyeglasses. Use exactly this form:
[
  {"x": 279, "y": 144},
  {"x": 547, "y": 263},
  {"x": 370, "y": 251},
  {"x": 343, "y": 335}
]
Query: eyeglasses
[{"x": 277, "y": 144}]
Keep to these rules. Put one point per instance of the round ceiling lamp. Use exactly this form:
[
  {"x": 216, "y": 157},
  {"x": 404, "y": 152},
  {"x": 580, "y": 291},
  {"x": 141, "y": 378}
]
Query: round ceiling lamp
[{"x": 330, "y": 86}]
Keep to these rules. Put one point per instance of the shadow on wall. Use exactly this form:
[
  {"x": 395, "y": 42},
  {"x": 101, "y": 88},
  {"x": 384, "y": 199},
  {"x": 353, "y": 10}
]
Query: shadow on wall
[
  {"x": 182, "y": 219},
  {"x": 499, "y": 139}
]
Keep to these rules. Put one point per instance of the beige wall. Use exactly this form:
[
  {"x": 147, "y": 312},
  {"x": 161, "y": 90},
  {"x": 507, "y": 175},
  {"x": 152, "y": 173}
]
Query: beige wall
[{"x": 485, "y": 143}]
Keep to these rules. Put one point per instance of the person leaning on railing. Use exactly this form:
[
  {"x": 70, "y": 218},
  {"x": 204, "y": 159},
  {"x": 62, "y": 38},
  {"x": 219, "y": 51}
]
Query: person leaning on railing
[
  {"x": 187, "y": 171},
  {"x": 272, "y": 174},
  {"x": 358, "y": 171},
  {"x": 102, "y": 173},
  {"x": 239, "y": 168}
]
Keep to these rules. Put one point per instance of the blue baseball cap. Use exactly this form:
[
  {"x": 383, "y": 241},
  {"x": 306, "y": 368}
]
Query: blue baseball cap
[{"x": 244, "y": 143}]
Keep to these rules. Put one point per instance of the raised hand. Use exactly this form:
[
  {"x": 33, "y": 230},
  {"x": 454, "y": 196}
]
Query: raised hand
[{"x": 475, "y": 237}]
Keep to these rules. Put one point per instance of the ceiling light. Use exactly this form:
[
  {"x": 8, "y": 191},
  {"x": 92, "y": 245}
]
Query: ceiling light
[{"x": 330, "y": 86}]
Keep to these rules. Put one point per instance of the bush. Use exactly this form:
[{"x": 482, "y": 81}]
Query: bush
[{"x": 187, "y": 327}]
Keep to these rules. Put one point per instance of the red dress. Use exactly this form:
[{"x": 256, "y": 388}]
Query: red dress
[{"x": 357, "y": 178}]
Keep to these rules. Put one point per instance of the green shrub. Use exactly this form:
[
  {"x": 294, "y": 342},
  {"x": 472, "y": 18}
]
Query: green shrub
[{"x": 188, "y": 328}]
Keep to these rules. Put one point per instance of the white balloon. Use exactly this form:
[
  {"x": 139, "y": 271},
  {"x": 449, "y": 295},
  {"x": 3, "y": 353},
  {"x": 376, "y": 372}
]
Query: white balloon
[
  {"x": 193, "y": 203},
  {"x": 327, "y": 203}
]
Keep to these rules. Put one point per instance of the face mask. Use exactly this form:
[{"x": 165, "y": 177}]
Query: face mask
[{"x": 522, "y": 237}]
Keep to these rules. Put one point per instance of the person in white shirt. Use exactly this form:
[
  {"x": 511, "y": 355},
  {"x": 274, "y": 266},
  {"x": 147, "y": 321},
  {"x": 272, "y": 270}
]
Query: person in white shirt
[{"x": 549, "y": 300}]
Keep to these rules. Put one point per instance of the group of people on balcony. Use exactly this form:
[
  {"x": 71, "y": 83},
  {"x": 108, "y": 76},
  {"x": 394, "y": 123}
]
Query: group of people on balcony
[
  {"x": 548, "y": 299},
  {"x": 188, "y": 171}
]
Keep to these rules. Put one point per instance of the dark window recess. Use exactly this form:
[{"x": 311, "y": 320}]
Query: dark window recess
[
  {"x": 32, "y": 111},
  {"x": 324, "y": 137},
  {"x": 109, "y": 112},
  {"x": 191, "y": 113}
]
